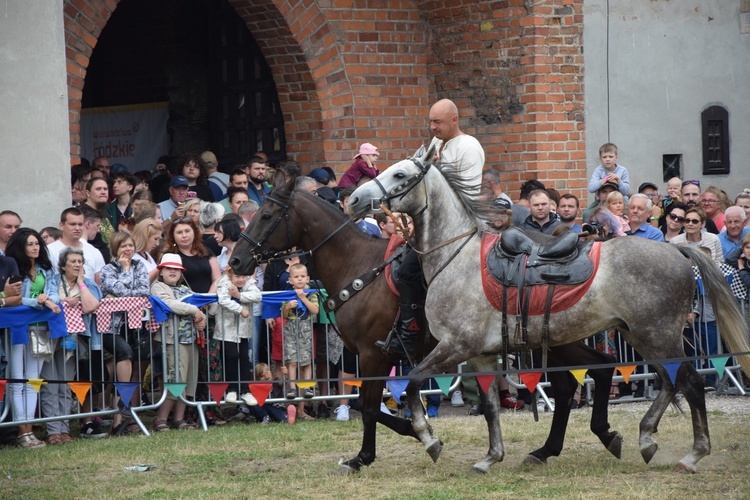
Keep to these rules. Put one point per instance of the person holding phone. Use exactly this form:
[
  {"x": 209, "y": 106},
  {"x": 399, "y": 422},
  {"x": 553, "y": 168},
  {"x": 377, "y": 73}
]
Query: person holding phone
[{"x": 123, "y": 277}]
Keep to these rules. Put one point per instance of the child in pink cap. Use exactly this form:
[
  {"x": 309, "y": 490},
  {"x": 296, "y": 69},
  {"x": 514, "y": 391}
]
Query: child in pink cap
[{"x": 363, "y": 169}]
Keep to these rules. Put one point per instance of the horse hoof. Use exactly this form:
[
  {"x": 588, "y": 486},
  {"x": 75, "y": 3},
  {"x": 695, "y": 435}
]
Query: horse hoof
[
  {"x": 615, "y": 447},
  {"x": 684, "y": 468},
  {"x": 434, "y": 449},
  {"x": 649, "y": 451},
  {"x": 534, "y": 460},
  {"x": 345, "y": 468},
  {"x": 478, "y": 469}
]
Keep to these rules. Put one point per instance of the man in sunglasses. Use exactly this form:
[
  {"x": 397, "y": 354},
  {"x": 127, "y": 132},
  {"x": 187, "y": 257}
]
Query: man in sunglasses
[{"x": 690, "y": 194}]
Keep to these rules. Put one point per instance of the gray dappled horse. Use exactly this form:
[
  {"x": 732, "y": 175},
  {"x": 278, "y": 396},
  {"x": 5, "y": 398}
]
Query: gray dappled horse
[
  {"x": 340, "y": 253},
  {"x": 643, "y": 288}
]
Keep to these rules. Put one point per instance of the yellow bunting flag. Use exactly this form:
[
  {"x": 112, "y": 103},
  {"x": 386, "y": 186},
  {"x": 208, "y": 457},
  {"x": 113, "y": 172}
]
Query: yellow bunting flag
[
  {"x": 36, "y": 383},
  {"x": 626, "y": 372},
  {"x": 80, "y": 389},
  {"x": 355, "y": 382},
  {"x": 305, "y": 385},
  {"x": 579, "y": 374}
]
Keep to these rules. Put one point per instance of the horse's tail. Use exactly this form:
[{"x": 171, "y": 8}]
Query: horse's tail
[{"x": 729, "y": 318}]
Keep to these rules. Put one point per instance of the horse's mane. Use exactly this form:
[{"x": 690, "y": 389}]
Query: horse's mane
[
  {"x": 284, "y": 194},
  {"x": 478, "y": 208}
]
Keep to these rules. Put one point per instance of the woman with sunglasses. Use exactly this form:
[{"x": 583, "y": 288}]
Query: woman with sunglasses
[
  {"x": 674, "y": 221},
  {"x": 695, "y": 221}
]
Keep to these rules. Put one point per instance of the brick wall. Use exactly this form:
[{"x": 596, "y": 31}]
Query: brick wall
[{"x": 351, "y": 71}]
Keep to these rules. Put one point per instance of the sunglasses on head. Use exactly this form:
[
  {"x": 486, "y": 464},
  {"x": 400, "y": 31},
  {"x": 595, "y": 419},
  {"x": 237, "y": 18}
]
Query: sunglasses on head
[
  {"x": 676, "y": 218},
  {"x": 695, "y": 183}
]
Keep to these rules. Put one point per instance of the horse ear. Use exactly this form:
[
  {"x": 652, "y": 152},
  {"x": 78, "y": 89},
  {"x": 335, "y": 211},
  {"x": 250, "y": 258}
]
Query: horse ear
[{"x": 429, "y": 155}]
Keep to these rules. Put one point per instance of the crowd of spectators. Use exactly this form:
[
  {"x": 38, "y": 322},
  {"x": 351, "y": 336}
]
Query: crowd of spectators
[{"x": 171, "y": 231}]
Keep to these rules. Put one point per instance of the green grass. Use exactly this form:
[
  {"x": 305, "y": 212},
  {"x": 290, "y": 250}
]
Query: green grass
[{"x": 298, "y": 461}]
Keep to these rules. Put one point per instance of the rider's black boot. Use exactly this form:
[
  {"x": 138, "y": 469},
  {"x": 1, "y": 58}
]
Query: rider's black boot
[{"x": 403, "y": 341}]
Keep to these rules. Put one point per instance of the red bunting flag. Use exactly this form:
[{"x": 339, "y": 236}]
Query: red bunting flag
[
  {"x": 217, "y": 390},
  {"x": 485, "y": 381},
  {"x": 530, "y": 380},
  {"x": 260, "y": 392}
]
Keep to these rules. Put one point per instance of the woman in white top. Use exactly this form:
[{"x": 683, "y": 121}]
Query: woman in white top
[
  {"x": 695, "y": 221},
  {"x": 146, "y": 236}
]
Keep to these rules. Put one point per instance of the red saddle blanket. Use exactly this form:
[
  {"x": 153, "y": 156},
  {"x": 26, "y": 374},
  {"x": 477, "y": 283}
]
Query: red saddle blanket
[
  {"x": 395, "y": 242},
  {"x": 563, "y": 297}
]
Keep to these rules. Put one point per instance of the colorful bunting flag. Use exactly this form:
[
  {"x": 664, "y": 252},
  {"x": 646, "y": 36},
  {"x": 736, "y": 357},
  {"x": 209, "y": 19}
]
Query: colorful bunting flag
[
  {"x": 306, "y": 385},
  {"x": 397, "y": 387},
  {"x": 260, "y": 392},
  {"x": 354, "y": 382},
  {"x": 530, "y": 380},
  {"x": 393, "y": 371},
  {"x": 626, "y": 372},
  {"x": 484, "y": 382},
  {"x": 672, "y": 370},
  {"x": 36, "y": 383},
  {"x": 444, "y": 383},
  {"x": 2, "y": 388},
  {"x": 719, "y": 364},
  {"x": 175, "y": 388},
  {"x": 217, "y": 390},
  {"x": 80, "y": 389},
  {"x": 125, "y": 390},
  {"x": 579, "y": 374}
]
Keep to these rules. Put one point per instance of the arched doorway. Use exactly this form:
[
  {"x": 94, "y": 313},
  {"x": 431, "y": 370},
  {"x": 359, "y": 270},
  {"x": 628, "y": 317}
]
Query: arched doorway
[{"x": 200, "y": 58}]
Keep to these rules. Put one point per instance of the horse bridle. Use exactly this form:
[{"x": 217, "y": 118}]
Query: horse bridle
[
  {"x": 261, "y": 254},
  {"x": 402, "y": 189}
]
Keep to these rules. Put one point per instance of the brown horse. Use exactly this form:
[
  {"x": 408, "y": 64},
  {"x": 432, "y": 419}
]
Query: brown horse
[{"x": 339, "y": 253}]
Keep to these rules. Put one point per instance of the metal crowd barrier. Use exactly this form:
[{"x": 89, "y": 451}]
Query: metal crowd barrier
[{"x": 156, "y": 391}]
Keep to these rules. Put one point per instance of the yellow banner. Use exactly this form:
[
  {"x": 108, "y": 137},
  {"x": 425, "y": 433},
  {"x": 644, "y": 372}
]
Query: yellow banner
[
  {"x": 36, "y": 383},
  {"x": 305, "y": 385}
]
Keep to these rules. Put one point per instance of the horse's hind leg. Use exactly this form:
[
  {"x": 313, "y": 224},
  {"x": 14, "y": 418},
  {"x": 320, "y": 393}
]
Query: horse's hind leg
[
  {"x": 563, "y": 384},
  {"x": 491, "y": 407},
  {"x": 691, "y": 384},
  {"x": 442, "y": 358}
]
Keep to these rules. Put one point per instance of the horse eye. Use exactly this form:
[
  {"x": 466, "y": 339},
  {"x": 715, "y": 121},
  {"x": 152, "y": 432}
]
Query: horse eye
[
  {"x": 400, "y": 175},
  {"x": 266, "y": 216}
]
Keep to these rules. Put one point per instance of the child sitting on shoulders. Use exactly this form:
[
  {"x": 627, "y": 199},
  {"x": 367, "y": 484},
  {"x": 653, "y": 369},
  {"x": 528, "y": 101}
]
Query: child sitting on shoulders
[
  {"x": 297, "y": 330},
  {"x": 615, "y": 202},
  {"x": 188, "y": 320},
  {"x": 272, "y": 412},
  {"x": 234, "y": 327},
  {"x": 363, "y": 169}
]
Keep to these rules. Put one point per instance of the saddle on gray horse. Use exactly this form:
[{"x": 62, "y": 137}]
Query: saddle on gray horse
[{"x": 520, "y": 261}]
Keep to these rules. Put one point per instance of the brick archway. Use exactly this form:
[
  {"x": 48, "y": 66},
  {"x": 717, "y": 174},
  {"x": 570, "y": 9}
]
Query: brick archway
[{"x": 338, "y": 82}]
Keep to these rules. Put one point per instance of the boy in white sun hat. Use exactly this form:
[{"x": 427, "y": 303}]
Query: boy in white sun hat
[{"x": 363, "y": 169}]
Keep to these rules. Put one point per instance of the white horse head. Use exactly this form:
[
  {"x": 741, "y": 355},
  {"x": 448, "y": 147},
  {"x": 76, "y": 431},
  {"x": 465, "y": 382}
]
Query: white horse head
[{"x": 391, "y": 187}]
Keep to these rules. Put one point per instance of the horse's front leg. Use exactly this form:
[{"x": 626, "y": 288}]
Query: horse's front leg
[
  {"x": 491, "y": 408},
  {"x": 369, "y": 398},
  {"x": 442, "y": 358}
]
